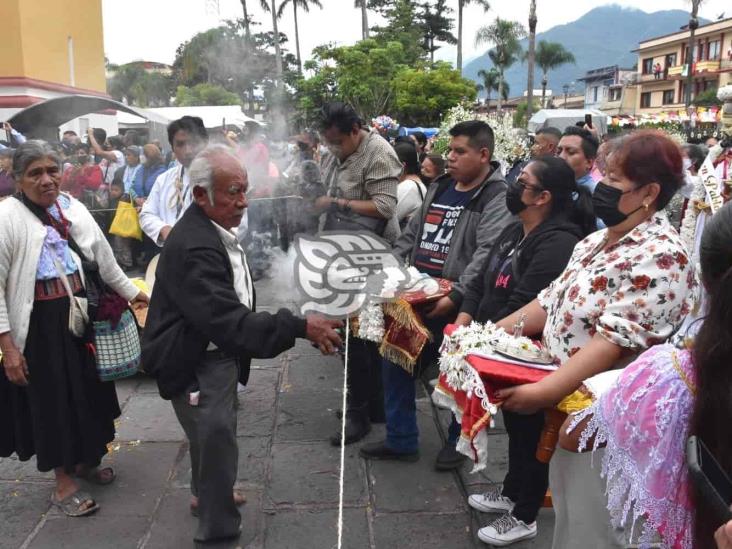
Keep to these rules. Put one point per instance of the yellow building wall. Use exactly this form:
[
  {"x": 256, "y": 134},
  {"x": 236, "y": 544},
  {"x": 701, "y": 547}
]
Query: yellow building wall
[
  {"x": 11, "y": 58},
  {"x": 41, "y": 42}
]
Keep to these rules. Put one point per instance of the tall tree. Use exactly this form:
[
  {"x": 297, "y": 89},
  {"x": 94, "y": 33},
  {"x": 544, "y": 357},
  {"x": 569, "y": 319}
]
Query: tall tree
[
  {"x": 531, "y": 58},
  {"x": 505, "y": 36},
  {"x": 437, "y": 26},
  {"x": 549, "y": 56},
  {"x": 461, "y": 5},
  {"x": 278, "y": 51},
  {"x": 305, "y": 6},
  {"x": 363, "y": 5},
  {"x": 247, "y": 31},
  {"x": 404, "y": 25},
  {"x": 491, "y": 79},
  {"x": 693, "y": 25}
]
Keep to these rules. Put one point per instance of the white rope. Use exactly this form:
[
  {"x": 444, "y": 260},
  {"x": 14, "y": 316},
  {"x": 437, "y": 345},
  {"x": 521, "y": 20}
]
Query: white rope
[{"x": 343, "y": 442}]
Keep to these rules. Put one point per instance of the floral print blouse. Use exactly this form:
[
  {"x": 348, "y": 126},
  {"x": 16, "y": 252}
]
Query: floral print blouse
[{"x": 635, "y": 294}]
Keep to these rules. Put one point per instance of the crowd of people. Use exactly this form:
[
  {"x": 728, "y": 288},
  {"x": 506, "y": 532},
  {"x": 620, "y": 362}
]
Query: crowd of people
[{"x": 573, "y": 244}]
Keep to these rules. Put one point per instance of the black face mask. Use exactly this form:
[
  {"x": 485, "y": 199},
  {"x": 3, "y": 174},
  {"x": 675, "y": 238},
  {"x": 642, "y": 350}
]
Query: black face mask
[
  {"x": 605, "y": 201},
  {"x": 513, "y": 198}
]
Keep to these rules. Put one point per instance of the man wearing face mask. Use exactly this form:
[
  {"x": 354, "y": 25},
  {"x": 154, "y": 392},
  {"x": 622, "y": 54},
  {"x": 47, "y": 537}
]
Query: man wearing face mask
[{"x": 171, "y": 194}]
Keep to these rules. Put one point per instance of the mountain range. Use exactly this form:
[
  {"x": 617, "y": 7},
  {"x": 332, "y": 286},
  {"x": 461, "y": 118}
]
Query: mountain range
[{"x": 602, "y": 37}]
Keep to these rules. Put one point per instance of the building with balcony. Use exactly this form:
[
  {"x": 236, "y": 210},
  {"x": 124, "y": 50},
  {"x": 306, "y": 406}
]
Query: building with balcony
[
  {"x": 606, "y": 89},
  {"x": 662, "y": 72}
]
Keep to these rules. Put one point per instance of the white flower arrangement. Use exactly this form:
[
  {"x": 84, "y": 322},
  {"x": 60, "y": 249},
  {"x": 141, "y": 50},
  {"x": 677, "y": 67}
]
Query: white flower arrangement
[
  {"x": 459, "y": 344},
  {"x": 371, "y": 323},
  {"x": 511, "y": 143}
]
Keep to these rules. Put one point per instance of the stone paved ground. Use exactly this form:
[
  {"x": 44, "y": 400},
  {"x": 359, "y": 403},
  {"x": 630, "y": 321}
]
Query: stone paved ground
[{"x": 287, "y": 468}]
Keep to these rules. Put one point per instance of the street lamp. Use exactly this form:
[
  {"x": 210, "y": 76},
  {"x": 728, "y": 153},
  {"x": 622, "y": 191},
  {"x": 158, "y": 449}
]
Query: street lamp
[{"x": 566, "y": 91}]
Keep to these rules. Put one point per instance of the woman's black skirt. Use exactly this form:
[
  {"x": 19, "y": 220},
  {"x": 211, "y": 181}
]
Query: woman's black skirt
[{"x": 65, "y": 416}]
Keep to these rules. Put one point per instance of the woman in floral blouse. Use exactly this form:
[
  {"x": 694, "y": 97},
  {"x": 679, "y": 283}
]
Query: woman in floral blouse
[{"x": 625, "y": 288}]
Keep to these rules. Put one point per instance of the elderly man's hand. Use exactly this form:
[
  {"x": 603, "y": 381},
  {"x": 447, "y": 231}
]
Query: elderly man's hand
[{"x": 321, "y": 331}]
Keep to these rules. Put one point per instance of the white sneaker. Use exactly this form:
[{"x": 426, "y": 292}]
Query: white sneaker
[
  {"x": 491, "y": 502},
  {"x": 506, "y": 530}
]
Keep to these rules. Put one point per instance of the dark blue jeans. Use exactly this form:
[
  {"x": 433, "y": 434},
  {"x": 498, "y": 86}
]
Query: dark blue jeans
[{"x": 402, "y": 434}]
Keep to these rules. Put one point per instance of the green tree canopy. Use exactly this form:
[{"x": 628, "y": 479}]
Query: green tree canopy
[
  {"x": 403, "y": 25},
  {"x": 205, "y": 94},
  {"x": 132, "y": 84},
  {"x": 422, "y": 95}
]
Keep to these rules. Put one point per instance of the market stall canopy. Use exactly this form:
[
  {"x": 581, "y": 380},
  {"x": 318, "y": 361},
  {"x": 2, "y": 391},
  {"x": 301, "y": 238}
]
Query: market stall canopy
[
  {"x": 212, "y": 116},
  {"x": 429, "y": 132},
  {"x": 563, "y": 118},
  {"x": 42, "y": 120}
]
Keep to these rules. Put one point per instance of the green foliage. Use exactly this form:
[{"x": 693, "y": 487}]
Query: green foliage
[
  {"x": 491, "y": 82},
  {"x": 205, "y": 94},
  {"x": 505, "y": 36},
  {"x": 133, "y": 84},
  {"x": 707, "y": 98},
  {"x": 550, "y": 55},
  {"x": 436, "y": 26},
  {"x": 519, "y": 117},
  {"x": 403, "y": 26},
  {"x": 361, "y": 74},
  {"x": 423, "y": 95}
]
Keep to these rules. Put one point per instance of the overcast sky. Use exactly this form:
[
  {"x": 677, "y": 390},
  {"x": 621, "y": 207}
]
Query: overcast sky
[{"x": 152, "y": 29}]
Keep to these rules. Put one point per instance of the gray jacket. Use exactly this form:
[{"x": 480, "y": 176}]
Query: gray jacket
[{"x": 478, "y": 226}]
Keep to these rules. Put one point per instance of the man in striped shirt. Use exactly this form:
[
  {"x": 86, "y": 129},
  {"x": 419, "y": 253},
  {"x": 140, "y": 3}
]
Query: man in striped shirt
[{"x": 361, "y": 173}]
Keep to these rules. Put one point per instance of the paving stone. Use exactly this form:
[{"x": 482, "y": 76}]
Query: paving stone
[
  {"x": 142, "y": 471},
  {"x": 425, "y": 531},
  {"x": 104, "y": 530},
  {"x": 253, "y": 458},
  {"x": 308, "y": 415},
  {"x": 22, "y": 505},
  {"x": 303, "y": 348},
  {"x": 174, "y": 525},
  {"x": 317, "y": 530},
  {"x": 269, "y": 363},
  {"x": 148, "y": 385},
  {"x": 125, "y": 388},
  {"x": 12, "y": 469},
  {"x": 313, "y": 372},
  {"x": 309, "y": 473},
  {"x": 262, "y": 384},
  {"x": 401, "y": 487},
  {"x": 255, "y": 416},
  {"x": 497, "y": 466},
  {"x": 147, "y": 417}
]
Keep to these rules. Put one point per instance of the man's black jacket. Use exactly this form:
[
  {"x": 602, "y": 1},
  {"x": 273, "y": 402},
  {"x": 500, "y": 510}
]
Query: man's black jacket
[{"x": 194, "y": 303}]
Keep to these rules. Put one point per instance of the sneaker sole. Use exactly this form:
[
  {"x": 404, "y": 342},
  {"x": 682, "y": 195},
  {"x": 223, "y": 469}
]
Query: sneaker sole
[
  {"x": 486, "y": 509},
  {"x": 502, "y": 542}
]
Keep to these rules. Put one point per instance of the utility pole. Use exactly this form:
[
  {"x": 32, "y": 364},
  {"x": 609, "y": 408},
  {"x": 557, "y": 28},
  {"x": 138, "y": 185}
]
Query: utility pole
[
  {"x": 693, "y": 25},
  {"x": 531, "y": 59}
]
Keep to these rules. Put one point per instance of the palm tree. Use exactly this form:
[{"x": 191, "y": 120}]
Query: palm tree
[
  {"x": 693, "y": 25},
  {"x": 461, "y": 4},
  {"x": 550, "y": 55},
  {"x": 305, "y": 6},
  {"x": 363, "y": 4},
  {"x": 531, "y": 58},
  {"x": 505, "y": 36},
  {"x": 264, "y": 5},
  {"x": 278, "y": 50},
  {"x": 491, "y": 79}
]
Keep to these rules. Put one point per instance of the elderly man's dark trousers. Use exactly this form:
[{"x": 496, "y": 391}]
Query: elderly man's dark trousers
[{"x": 211, "y": 431}]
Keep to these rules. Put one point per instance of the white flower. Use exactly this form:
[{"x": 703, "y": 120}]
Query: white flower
[{"x": 371, "y": 323}]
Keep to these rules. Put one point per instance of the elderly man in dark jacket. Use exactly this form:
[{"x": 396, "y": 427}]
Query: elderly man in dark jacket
[
  {"x": 451, "y": 237},
  {"x": 202, "y": 333}
]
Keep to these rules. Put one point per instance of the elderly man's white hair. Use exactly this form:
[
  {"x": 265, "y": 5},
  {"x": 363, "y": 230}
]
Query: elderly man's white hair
[{"x": 202, "y": 170}]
